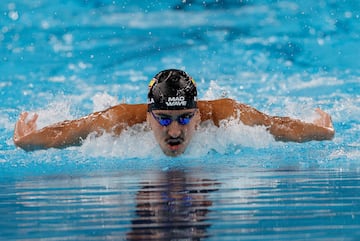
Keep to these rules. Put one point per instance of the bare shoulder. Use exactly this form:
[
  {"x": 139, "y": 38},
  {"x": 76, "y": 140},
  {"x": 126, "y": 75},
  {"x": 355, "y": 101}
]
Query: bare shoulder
[
  {"x": 217, "y": 110},
  {"x": 126, "y": 108},
  {"x": 130, "y": 113},
  {"x": 221, "y": 109}
]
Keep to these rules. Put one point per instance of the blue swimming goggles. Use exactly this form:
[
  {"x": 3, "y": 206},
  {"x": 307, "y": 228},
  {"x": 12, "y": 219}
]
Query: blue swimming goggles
[{"x": 165, "y": 120}]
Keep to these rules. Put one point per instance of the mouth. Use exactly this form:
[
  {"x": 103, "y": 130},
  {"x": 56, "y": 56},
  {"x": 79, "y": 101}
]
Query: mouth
[{"x": 174, "y": 143}]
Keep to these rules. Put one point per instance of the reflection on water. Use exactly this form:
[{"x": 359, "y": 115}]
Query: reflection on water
[
  {"x": 154, "y": 205},
  {"x": 198, "y": 203},
  {"x": 171, "y": 207}
]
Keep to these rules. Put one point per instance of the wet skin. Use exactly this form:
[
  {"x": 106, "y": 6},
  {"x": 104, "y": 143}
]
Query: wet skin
[{"x": 174, "y": 138}]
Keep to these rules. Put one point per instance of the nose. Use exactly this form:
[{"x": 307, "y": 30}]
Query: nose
[{"x": 174, "y": 129}]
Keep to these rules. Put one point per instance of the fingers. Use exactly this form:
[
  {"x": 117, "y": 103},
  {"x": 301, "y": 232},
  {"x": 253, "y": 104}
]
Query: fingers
[
  {"x": 19, "y": 126},
  {"x": 32, "y": 122},
  {"x": 324, "y": 120},
  {"x": 23, "y": 116},
  {"x": 25, "y": 125}
]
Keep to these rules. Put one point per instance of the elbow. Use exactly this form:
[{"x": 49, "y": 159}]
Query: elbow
[
  {"x": 28, "y": 143},
  {"x": 321, "y": 134},
  {"x": 327, "y": 134},
  {"x": 26, "y": 146},
  {"x": 21, "y": 144}
]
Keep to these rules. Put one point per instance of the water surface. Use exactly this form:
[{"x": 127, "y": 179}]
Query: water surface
[{"x": 65, "y": 59}]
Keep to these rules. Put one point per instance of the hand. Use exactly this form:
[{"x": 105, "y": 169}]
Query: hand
[
  {"x": 324, "y": 120},
  {"x": 24, "y": 126}
]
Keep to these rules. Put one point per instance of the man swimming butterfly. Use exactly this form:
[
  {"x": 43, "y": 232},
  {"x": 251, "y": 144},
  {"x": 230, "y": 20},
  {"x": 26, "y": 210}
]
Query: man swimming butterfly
[{"x": 173, "y": 113}]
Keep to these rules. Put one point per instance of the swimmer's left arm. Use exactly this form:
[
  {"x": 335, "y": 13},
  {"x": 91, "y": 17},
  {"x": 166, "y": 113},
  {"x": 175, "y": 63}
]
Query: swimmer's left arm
[
  {"x": 282, "y": 128},
  {"x": 289, "y": 129}
]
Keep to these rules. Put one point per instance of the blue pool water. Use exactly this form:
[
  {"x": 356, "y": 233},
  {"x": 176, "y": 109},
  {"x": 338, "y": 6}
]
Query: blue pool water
[{"x": 66, "y": 58}]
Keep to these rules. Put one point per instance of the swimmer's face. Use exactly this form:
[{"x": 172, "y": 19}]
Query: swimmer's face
[{"x": 173, "y": 129}]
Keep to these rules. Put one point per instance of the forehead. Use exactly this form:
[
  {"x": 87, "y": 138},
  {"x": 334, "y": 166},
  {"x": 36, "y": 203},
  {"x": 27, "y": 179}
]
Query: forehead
[{"x": 173, "y": 112}]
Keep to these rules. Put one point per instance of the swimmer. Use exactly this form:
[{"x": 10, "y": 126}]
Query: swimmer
[{"x": 173, "y": 113}]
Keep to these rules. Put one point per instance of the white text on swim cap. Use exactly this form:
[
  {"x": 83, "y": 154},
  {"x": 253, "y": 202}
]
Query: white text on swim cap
[
  {"x": 151, "y": 101},
  {"x": 176, "y": 101}
]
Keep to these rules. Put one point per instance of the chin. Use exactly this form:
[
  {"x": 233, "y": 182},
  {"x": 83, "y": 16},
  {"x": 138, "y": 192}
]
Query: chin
[{"x": 173, "y": 153}]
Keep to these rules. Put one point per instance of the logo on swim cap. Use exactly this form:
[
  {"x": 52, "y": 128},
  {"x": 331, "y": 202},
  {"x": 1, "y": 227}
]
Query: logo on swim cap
[
  {"x": 172, "y": 90},
  {"x": 176, "y": 101}
]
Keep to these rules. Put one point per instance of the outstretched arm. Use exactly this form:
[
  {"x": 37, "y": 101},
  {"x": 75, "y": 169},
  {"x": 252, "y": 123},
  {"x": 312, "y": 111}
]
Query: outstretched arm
[
  {"x": 287, "y": 129},
  {"x": 67, "y": 133},
  {"x": 282, "y": 128}
]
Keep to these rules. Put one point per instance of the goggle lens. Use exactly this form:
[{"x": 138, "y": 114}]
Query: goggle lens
[{"x": 167, "y": 120}]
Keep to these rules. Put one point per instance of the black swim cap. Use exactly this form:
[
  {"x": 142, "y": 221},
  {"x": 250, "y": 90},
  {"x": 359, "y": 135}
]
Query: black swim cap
[{"x": 172, "y": 89}]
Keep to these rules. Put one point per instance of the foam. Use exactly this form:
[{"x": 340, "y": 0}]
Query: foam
[
  {"x": 56, "y": 111},
  {"x": 139, "y": 142},
  {"x": 5, "y": 121},
  {"x": 346, "y": 109},
  {"x": 134, "y": 142},
  {"x": 302, "y": 109},
  {"x": 215, "y": 91},
  {"x": 345, "y": 154},
  {"x": 61, "y": 108},
  {"x": 103, "y": 101},
  {"x": 230, "y": 137}
]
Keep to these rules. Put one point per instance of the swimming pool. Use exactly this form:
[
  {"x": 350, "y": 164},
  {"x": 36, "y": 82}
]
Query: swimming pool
[{"x": 65, "y": 59}]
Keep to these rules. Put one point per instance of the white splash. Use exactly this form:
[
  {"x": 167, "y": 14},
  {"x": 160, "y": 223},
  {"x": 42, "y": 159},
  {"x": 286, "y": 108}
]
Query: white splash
[
  {"x": 231, "y": 136},
  {"x": 139, "y": 142},
  {"x": 103, "y": 101},
  {"x": 55, "y": 112},
  {"x": 134, "y": 142},
  {"x": 215, "y": 91}
]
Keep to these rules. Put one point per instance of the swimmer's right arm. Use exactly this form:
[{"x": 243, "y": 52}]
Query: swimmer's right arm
[
  {"x": 72, "y": 132},
  {"x": 58, "y": 135}
]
